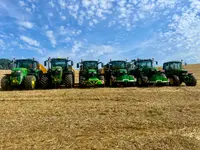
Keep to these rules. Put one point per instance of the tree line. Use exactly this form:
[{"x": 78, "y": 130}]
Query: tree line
[{"x": 5, "y": 64}]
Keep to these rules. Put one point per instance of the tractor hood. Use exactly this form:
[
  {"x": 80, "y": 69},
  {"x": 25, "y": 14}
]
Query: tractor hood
[
  {"x": 158, "y": 78},
  {"x": 148, "y": 69},
  {"x": 125, "y": 78},
  {"x": 17, "y": 76},
  {"x": 90, "y": 71},
  {"x": 122, "y": 71},
  {"x": 184, "y": 71},
  {"x": 57, "y": 68},
  {"x": 20, "y": 70}
]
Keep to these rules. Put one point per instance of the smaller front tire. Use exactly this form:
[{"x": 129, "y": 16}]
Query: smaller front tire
[{"x": 193, "y": 81}]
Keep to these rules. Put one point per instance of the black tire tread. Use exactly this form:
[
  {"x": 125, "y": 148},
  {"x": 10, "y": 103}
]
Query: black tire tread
[
  {"x": 28, "y": 82},
  {"x": 5, "y": 86},
  {"x": 69, "y": 81},
  {"x": 193, "y": 82},
  {"x": 44, "y": 82}
]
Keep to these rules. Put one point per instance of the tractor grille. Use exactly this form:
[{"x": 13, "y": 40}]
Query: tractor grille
[
  {"x": 93, "y": 82},
  {"x": 15, "y": 74},
  {"x": 56, "y": 73}
]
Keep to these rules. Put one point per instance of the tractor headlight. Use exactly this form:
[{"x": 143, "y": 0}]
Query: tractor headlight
[{"x": 18, "y": 71}]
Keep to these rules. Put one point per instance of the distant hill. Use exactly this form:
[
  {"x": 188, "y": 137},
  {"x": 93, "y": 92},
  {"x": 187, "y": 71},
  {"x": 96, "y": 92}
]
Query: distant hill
[{"x": 5, "y": 64}]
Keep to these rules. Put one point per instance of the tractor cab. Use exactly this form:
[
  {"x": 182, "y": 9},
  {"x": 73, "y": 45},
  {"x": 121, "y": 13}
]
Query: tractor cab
[
  {"x": 60, "y": 72},
  {"x": 174, "y": 67},
  {"x": 146, "y": 73},
  {"x": 147, "y": 66},
  {"x": 58, "y": 62},
  {"x": 89, "y": 68},
  {"x": 116, "y": 74},
  {"x": 88, "y": 65},
  {"x": 117, "y": 67},
  {"x": 26, "y": 63},
  {"x": 90, "y": 74},
  {"x": 177, "y": 75}
]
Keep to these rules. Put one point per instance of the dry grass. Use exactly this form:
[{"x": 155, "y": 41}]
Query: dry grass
[{"x": 103, "y": 118}]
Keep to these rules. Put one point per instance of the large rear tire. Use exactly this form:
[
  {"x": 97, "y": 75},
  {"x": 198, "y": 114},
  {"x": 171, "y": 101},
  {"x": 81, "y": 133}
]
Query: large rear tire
[
  {"x": 44, "y": 82},
  {"x": 174, "y": 80},
  {"x": 69, "y": 81},
  {"x": 30, "y": 82},
  {"x": 193, "y": 81},
  {"x": 5, "y": 85}
]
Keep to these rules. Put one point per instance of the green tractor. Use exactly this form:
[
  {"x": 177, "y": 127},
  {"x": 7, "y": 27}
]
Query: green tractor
[
  {"x": 146, "y": 73},
  {"x": 59, "y": 73},
  {"x": 90, "y": 74},
  {"x": 176, "y": 74},
  {"x": 26, "y": 73},
  {"x": 116, "y": 74}
]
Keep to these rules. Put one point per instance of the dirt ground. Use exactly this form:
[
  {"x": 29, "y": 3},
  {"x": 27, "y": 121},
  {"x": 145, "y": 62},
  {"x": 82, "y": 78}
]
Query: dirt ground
[{"x": 156, "y": 118}]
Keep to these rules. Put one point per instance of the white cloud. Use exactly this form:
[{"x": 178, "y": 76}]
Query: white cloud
[
  {"x": 51, "y": 37},
  {"x": 62, "y": 4},
  {"x": 97, "y": 51},
  {"x": 28, "y": 10},
  {"x": 63, "y": 31},
  {"x": 26, "y": 24},
  {"x": 21, "y": 3},
  {"x": 2, "y": 44},
  {"x": 50, "y": 14},
  {"x": 86, "y": 3},
  {"x": 63, "y": 17},
  {"x": 51, "y": 3},
  {"x": 33, "y": 6},
  {"x": 30, "y": 41}
]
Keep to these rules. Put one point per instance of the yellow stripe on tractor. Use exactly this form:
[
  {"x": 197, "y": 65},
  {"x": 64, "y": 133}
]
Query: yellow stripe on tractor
[{"x": 41, "y": 67}]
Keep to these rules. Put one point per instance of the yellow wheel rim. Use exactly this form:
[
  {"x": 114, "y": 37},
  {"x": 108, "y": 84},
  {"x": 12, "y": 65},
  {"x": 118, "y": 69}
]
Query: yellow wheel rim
[
  {"x": 33, "y": 83},
  {"x": 171, "y": 81}
]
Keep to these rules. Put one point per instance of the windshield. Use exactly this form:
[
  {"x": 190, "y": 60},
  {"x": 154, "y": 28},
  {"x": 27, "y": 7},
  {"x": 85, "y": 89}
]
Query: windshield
[
  {"x": 24, "y": 64},
  {"x": 175, "y": 65},
  {"x": 90, "y": 65},
  {"x": 118, "y": 64},
  {"x": 144, "y": 63},
  {"x": 58, "y": 62}
]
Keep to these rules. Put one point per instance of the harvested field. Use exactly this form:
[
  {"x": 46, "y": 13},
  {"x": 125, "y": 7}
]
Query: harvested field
[{"x": 161, "y": 118}]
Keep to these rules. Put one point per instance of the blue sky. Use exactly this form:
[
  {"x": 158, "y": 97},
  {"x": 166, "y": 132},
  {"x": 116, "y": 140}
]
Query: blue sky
[{"x": 100, "y": 29}]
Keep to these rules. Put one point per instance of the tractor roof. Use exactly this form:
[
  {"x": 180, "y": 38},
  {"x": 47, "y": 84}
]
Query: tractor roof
[
  {"x": 172, "y": 62},
  {"x": 117, "y": 61},
  {"x": 142, "y": 60},
  {"x": 59, "y": 59},
  {"x": 89, "y": 61},
  {"x": 28, "y": 59}
]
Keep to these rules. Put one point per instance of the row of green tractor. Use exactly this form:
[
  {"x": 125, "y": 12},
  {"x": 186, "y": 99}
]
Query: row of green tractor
[{"x": 29, "y": 74}]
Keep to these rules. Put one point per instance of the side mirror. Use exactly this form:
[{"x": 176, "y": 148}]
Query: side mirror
[
  {"x": 102, "y": 65},
  {"x": 77, "y": 65},
  {"x": 107, "y": 65},
  {"x": 185, "y": 64},
  {"x": 45, "y": 63},
  {"x": 156, "y": 63},
  {"x": 72, "y": 63}
]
